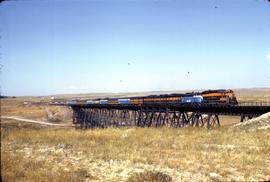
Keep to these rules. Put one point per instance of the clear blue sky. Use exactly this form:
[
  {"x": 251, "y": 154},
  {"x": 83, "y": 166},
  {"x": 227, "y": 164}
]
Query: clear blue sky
[{"x": 50, "y": 47}]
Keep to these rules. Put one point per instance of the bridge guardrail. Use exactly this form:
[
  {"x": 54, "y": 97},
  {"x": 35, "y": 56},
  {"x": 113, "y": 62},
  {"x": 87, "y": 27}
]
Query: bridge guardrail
[{"x": 253, "y": 104}]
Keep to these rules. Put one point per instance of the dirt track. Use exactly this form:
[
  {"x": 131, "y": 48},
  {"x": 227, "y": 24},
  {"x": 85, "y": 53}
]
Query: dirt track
[{"x": 34, "y": 121}]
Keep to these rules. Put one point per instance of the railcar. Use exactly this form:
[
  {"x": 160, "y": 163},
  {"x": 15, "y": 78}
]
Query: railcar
[
  {"x": 112, "y": 101},
  {"x": 103, "y": 101},
  {"x": 89, "y": 102},
  {"x": 92, "y": 102},
  {"x": 164, "y": 98},
  {"x": 136, "y": 100},
  {"x": 71, "y": 102},
  {"x": 123, "y": 101},
  {"x": 192, "y": 99}
]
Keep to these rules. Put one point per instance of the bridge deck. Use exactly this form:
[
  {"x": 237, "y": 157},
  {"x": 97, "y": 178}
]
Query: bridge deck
[{"x": 200, "y": 108}]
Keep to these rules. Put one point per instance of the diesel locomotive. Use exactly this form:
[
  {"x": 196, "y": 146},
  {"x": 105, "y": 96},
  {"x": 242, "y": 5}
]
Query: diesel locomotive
[{"x": 205, "y": 97}]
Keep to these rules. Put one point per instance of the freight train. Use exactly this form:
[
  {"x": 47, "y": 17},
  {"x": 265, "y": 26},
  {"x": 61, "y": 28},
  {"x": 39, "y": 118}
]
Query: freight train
[{"x": 206, "y": 97}]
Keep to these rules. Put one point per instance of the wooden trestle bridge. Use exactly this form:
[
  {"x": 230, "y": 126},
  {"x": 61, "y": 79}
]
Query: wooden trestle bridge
[{"x": 156, "y": 115}]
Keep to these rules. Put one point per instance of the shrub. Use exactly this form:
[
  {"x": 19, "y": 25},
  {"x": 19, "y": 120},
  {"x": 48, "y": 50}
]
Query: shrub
[{"x": 150, "y": 176}]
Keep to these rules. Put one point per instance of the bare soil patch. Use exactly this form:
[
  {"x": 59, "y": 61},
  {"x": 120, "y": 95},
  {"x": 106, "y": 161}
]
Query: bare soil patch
[{"x": 259, "y": 123}]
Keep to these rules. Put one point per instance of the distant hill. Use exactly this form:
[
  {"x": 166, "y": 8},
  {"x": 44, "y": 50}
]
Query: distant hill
[{"x": 3, "y": 97}]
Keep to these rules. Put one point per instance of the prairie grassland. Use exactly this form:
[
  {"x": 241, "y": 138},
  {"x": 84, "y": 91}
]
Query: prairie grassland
[
  {"x": 22, "y": 107},
  {"x": 134, "y": 154},
  {"x": 253, "y": 95}
]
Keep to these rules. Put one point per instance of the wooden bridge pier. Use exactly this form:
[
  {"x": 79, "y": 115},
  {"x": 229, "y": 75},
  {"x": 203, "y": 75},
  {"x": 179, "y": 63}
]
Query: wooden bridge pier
[
  {"x": 159, "y": 115},
  {"x": 85, "y": 118}
]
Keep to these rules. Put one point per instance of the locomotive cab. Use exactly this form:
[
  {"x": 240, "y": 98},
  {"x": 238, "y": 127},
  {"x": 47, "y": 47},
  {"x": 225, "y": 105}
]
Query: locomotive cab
[{"x": 231, "y": 97}]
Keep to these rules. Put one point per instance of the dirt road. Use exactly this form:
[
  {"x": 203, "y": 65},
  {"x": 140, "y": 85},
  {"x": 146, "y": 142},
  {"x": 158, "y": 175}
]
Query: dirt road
[{"x": 34, "y": 121}]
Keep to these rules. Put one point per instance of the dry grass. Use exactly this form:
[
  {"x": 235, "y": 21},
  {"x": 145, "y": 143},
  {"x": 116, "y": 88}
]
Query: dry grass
[
  {"x": 120, "y": 154},
  {"x": 19, "y": 107},
  {"x": 253, "y": 95}
]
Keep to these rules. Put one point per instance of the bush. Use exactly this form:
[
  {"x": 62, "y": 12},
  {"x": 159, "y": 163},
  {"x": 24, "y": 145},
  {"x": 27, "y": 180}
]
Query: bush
[{"x": 150, "y": 176}]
